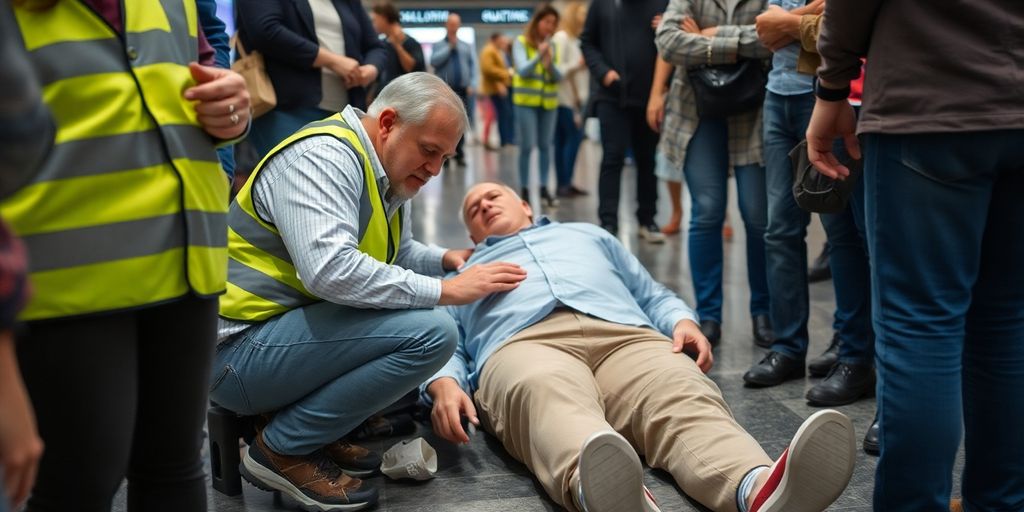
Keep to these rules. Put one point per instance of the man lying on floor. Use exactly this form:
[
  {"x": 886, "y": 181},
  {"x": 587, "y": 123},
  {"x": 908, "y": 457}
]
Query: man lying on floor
[{"x": 584, "y": 365}]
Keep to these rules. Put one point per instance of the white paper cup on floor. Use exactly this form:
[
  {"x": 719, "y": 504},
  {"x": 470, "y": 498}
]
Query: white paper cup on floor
[{"x": 412, "y": 458}]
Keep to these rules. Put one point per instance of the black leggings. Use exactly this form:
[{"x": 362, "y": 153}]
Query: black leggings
[{"x": 121, "y": 395}]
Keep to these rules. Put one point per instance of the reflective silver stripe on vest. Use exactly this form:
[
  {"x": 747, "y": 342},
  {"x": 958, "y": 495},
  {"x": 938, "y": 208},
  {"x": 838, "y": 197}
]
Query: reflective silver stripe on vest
[
  {"x": 257, "y": 235},
  {"x": 63, "y": 60},
  {"x": 258, "y": 283},
  {"x": 111, "y": 242},
  {"x": 137, "y": 150}
]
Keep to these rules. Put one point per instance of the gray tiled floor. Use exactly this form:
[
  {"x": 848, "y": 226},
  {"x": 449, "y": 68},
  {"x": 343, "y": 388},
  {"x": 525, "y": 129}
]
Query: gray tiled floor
[{"x": 481, "y": 478}]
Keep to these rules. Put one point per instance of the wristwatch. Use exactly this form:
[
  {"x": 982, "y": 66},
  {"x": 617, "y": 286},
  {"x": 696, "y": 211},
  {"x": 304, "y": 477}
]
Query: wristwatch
[{"x": 826, "y": 94}]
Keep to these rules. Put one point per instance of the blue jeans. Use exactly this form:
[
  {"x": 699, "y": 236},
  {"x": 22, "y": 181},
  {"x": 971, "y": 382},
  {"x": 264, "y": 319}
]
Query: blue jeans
[
  {"x": 568, "y": 137},
  {"x": 785, "y": 123},
  {"x": 707, "y": 176},
  {"x": 325, "y": 368},
  {"x": 535, "y": 128},
  {"x": 945, "y": 224},
  {"x": 276, "y": 125},
  {"x": 503, "y": 111}
]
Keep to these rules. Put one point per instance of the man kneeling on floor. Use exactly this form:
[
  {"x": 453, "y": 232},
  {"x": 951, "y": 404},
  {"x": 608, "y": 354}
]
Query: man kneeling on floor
[
  {"x": 329, "y": 317},
  {"x": 582, "y": 365}
]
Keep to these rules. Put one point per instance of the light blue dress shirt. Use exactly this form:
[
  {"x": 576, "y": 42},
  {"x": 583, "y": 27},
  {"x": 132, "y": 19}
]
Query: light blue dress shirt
[
  {"x": 575, "y": 265},
  {"x": 783, "y": 79}
]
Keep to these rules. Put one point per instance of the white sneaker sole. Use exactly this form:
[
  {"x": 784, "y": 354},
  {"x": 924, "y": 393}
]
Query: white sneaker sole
[
  {"x": 819, "y": 465},
  {"x": 267, "y": 480},
  {"x": 611, "y": 476}
]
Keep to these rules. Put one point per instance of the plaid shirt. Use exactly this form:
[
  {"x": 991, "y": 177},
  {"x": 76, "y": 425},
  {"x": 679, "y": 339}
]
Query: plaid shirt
[{"x": 736, "y": 37}]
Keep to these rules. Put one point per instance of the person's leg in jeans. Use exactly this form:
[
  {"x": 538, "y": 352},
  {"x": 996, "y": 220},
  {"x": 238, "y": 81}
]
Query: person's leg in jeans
[
  {"x": 785, "y": 122},
  {"x": 166, "y": 471},
  {"x": 945, "y": 234},
  {"x": 614, "y": 141},
  {"x": 82, "y": 377},
  {"x": 851, "y": 278},
  {"x": 993, "y": 372},
  {"x": 707, "y": 174},
  {"x": 645, "y": 145},
  {"x": 563, "y": 121},
  {"x": 527, "y": 126},
  {"x": 753, "y": 202},
  {"x": 545, "y": 136},
  {"x": 324, "y": 368}
]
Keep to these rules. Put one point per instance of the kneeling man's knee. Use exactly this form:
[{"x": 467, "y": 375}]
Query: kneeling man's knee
[{"x": 439, "y": 334}]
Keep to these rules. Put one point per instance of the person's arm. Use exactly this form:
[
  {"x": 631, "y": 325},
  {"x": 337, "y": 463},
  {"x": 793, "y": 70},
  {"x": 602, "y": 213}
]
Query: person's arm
[
  {"x": 670, "y": 315},
  {"x": 777, "y": 27},
  {"x": 474, "y": 69},
  {"x": 375, "y": 53},
  {"x": 215, "y": 31},
  {"x": 660, "y": 304},
  {"x": 844, "y": 38},
  {"x": 262, "y": 21},
  {"x": 20, "y": 446},
  {"x": 314, "y": 204},
  {"x": 26, "y": 128},
  {"x": 659, "y": 89},
  {"x": 688, "y": 50},
  {"x": 405, "y": 59},
  {"x": 447, "y": 392},
  {"x": 810, "y": 27},
  {"x": 442, "y": 51},
  {"x": 591, "y": 44},
  {"x": 525, "y": 68},
  {"x": 493, "y": 68}
]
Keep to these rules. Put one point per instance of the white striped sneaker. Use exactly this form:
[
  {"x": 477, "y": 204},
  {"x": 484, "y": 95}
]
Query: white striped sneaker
[
  {"x": 814, "y": 470},
  {"x": 611, "y": 476}
]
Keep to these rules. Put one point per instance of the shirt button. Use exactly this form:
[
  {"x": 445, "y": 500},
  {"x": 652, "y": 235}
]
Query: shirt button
[{"x": 133, "y": 54}]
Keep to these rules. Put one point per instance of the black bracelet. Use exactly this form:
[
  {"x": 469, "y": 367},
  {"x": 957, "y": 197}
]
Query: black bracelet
[{"x": 826, "y": 94}]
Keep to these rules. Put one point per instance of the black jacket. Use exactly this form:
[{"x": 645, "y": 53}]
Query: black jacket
[
  {"x": 282, "y": 30},
  {"x": 621, "y": 38}
]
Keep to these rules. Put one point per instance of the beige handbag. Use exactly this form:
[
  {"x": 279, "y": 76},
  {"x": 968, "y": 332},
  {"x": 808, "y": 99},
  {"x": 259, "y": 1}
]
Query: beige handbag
[{"x": 262, "y": 97}]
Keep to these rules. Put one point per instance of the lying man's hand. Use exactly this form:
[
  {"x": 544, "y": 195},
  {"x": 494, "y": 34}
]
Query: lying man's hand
[
  {"x": 480, "y": 281},
  {"x": 686, "y": 337},
  {"x": 450, "y": 404},
  {"x": 454, "y": 259}
]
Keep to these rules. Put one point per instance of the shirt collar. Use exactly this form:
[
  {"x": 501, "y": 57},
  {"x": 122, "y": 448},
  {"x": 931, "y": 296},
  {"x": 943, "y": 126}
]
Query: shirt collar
[
  {"x": 542, "y": 221},
  {"x": 353, "y": 116}
]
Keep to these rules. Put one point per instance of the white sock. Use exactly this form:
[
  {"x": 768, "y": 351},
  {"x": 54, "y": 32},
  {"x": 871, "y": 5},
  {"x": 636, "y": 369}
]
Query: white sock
[{"x": 747, "y": 486}]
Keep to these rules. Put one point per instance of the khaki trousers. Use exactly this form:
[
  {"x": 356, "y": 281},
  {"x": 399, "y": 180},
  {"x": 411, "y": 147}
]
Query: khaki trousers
[{"x": 559, "y": 381}]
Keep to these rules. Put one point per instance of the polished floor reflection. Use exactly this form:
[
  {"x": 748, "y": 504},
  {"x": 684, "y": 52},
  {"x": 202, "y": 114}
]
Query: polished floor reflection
[{"x": 480, "y": 477}]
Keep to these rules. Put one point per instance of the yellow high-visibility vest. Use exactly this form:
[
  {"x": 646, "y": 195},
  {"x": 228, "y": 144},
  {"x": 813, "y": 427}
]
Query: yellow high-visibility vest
[
  {"x": 535, "y": 92},
  {"x": 262, "y": 280},
  {"x": 129, "y": 209}
]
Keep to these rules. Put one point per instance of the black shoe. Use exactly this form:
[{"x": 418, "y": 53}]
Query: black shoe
[
  {"x": 845, "y": 384},
  {"x": 524, "y": 194},
  {"x": 547, "y": 198},
  {"x": 819, "y": 366},
  {"x": 763, "y": 334},
  {"x": 712, "y": 330},
  {"x": 577, "y": 191},
  {"x": 871, "y": 446},
  {"x": 611, "y": 228},
  {"x": 563, "y": 192},
  {"x": 773, "y": 370},
  {"x": 820, "y": 269}
]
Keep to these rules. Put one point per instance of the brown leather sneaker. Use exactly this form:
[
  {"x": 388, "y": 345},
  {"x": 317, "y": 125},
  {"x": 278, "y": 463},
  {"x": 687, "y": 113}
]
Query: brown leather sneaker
[
  {"x": 314, "y": 480},
  {"x": 353, "y": 459}
]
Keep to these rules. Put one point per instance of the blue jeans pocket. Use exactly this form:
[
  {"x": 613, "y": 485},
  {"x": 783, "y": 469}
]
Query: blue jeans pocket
[
  {"x": 942, "y": 158},
  {"x": 227, "y": 390}
]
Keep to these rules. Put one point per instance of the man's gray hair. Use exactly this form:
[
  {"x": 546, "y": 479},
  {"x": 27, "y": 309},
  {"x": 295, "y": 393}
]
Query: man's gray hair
[{"x": 415, "y": 95}]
